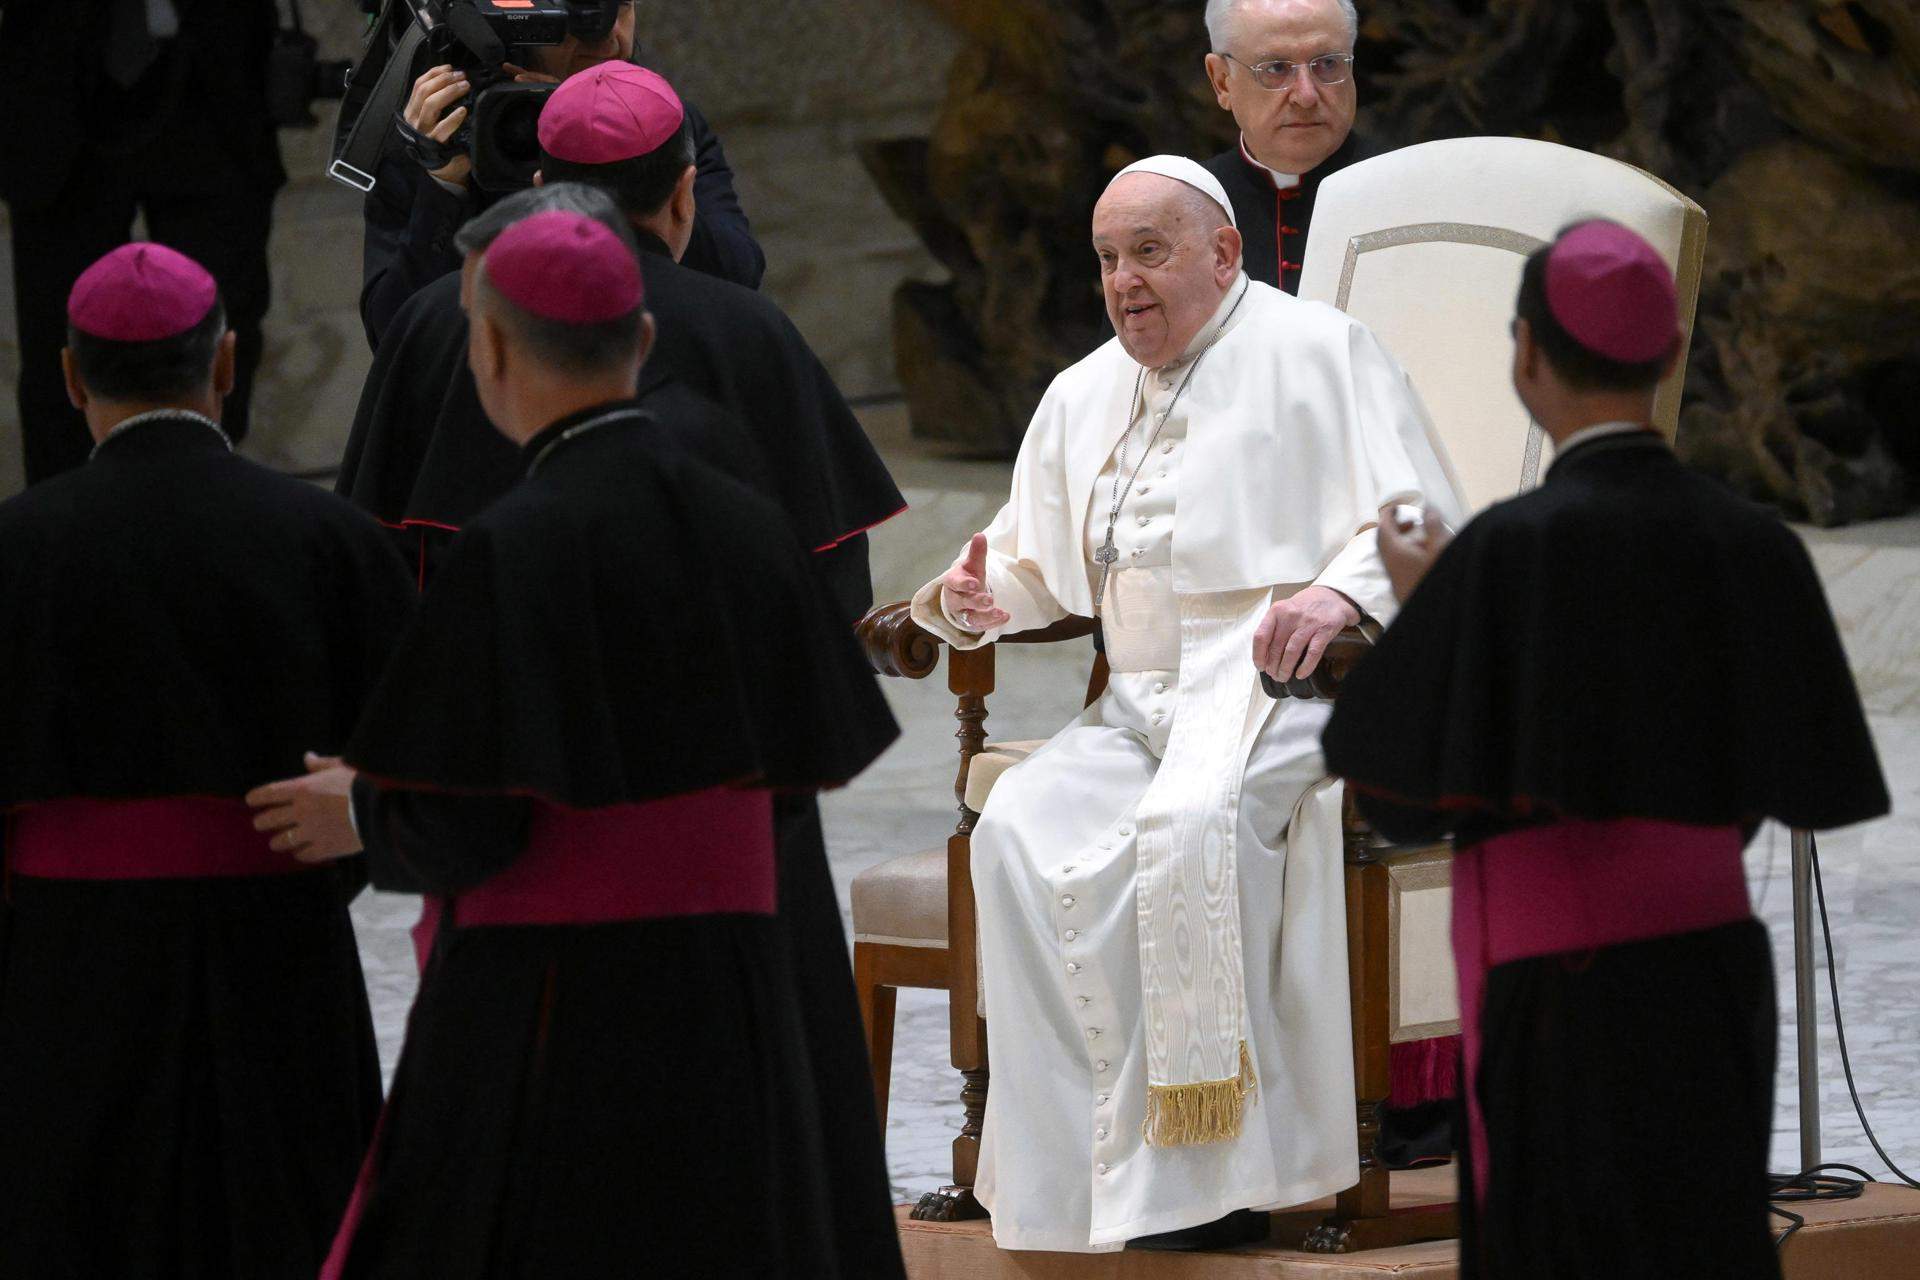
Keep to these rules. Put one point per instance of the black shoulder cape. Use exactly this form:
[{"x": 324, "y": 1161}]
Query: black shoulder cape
[
  {"x": 1628, "y": 640},
  {"x": 423, "y": 458},
  {"x": 627, "y": 623},
  {"x": 175, "y": 620}
]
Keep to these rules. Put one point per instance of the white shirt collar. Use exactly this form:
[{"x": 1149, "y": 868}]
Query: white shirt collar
[
  {"x": 1281, "y": 181},
  {"x": 1595, "y": 432}
]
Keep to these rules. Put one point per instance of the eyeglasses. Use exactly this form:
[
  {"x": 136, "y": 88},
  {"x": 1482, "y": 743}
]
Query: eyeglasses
[{"x": 1328, "y": 68}]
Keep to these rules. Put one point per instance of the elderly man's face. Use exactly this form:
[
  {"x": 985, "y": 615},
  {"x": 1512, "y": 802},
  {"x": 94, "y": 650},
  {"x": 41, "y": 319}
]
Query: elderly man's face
[
  {"x": 1167, "y": 258},
  {"x": 1295, "y": 128}
]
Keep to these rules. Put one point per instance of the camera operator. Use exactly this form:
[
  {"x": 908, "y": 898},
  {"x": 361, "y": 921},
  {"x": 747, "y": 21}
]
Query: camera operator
[
  {"x": 118, "y": 106},
  {"x": 412, "y": 212}
]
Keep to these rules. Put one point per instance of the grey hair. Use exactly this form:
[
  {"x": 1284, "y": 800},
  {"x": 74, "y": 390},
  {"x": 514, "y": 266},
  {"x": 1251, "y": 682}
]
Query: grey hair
[
  {"x": 480, "y": 230},
  {"x": 1220, "y": 13}
]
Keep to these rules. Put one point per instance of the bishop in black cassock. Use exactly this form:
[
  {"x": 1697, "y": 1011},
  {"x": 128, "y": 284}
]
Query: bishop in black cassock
[
  {"x": 734, "y": 381},
  {"x": 187, "y": 1066},
  {"x": 1603, "y": 687},
  {"x": 578, "y": 746}
]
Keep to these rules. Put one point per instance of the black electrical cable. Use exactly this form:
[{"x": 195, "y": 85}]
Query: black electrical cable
[
  {"x": 1840, "y": 1026},
  {"x": 1815, "y": 1184}
]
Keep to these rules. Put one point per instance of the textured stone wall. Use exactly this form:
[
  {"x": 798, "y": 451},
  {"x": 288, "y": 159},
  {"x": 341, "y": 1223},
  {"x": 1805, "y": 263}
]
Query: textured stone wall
[{"x": 793, "y": 87}]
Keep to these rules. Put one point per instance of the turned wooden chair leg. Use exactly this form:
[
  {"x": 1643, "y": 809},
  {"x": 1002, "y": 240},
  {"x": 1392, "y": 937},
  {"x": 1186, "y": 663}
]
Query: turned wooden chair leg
[{"x": 877, "y": 1004}]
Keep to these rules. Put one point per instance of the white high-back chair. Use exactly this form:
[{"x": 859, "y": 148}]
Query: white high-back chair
[{"x": 1425, "y": 245}]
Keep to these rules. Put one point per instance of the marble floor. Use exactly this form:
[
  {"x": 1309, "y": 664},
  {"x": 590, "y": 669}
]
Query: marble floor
[{"x": 1872, "y": 873}]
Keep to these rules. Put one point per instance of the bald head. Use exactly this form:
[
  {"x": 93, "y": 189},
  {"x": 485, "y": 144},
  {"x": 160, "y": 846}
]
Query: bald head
[{"x": 1167, "y": 257}]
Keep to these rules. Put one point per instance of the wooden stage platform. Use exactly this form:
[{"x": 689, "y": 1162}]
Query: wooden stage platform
[{"x": 1876, "y": 1237}]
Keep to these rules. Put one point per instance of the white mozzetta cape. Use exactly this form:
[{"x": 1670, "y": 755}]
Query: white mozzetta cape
[{"x": 1303, "y": 427}]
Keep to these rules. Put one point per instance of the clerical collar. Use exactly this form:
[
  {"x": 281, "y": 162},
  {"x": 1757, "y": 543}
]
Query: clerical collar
[
  {"x": 1623, "y": 432},
  {"x": 1595, "y": 432},
  {"x": 125, "y": 425},
  {"x": 558, "y": 435},
  {"x": 651, "y": 243},
  {"x": 1281, "y": 181}
]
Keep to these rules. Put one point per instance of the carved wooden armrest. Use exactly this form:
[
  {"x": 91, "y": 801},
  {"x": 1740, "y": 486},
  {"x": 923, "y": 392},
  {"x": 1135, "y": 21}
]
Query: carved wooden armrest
[
  {"x": 895, "y": 644},
  {"x": 1342, "y": 653}
]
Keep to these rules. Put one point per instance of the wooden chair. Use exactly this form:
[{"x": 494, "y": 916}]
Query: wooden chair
[{"x": 1425, "y": 245}]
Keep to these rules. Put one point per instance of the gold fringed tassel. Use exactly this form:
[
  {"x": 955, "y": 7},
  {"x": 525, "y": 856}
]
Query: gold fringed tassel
[{"x": 1190, "y": 1115}]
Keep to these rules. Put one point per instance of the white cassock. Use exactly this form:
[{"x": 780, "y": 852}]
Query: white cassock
[{"x": 1266, "y": 478}]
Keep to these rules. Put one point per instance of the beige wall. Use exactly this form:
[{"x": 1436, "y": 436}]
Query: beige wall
[{"x": 791, "y": 85}]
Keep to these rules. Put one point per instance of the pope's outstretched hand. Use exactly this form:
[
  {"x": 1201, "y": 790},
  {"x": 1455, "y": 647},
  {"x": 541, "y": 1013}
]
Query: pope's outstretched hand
[{"x": 963, "y": 589}]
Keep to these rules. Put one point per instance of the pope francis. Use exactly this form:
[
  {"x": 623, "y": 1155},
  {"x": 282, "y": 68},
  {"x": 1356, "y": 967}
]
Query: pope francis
[{"x": 1160, "y": 896}]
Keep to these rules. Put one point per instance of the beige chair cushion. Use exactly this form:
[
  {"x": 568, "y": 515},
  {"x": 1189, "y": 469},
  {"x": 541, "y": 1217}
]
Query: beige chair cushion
[
  {"x": 902, "y": 902},
  {"x": 995, "y": 759}
]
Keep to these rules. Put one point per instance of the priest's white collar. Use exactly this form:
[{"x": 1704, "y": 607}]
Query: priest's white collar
[
  {"x": 1595, "y": 432},
  {"x": 1281, "y": 181}
]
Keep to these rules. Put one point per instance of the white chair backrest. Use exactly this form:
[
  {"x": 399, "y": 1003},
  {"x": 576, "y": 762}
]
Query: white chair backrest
[{"x": 1425, "y": 245}]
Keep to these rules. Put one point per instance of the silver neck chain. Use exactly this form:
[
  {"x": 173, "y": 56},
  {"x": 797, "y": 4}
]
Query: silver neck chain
[
  {"x": 1108, "y": 552},
  {"x": 156, "y": 415},
  {"x": 579, "y": 429}
]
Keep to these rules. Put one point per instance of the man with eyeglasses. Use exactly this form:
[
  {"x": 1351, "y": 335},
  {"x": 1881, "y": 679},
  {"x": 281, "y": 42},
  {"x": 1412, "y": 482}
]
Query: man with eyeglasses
[{"x": 1284, "y": 68}]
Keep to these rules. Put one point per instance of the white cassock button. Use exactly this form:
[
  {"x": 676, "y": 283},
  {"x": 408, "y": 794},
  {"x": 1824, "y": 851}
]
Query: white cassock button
[
  {"x": 1083, "y": 1001},
  {"x": 1138, "y": 552},
  {"x": 1072, "y": 934},
  {"x": 1158, "y": 716},
  {"x": 1143, "y": 520},
  {"x": 1102, "y": 1099},
  {"x": 1066, "y": 871},
  {"x": 1066, "y": 900},
  {"x": 1100, "y": 1065},
  {"x": 1144, "y": 489},
  {"x": 1167, "y": 447},
  {"x": 1103, "y": 1170},
  {"x": 1093, "y": 1033},
  {"x": 1072, "y": 967},
  {"x": 1101, "y": 1133},
  {"x": 1160, "y": 686},
  {"x": 1126, "y": 831}
]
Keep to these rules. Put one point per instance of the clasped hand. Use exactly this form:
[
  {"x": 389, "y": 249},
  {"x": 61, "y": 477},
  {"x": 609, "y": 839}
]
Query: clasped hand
[
  {"x": 1296, "y": 631},
  {"x": 309, "y": 816}
]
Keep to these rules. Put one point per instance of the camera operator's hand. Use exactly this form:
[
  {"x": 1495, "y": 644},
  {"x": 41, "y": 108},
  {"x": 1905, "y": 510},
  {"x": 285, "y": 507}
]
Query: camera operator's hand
[
  {"x": 523, "y": 76},
  {"x": 435, "y": 91}
]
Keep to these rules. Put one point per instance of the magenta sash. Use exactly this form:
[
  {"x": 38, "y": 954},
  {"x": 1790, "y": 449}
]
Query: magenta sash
[
  {"x": 709, "y": 853},
  {"x": 1575, "y": 887},
  {"x": 165, "y": 838}
]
